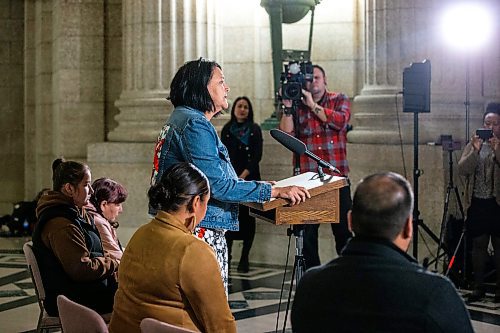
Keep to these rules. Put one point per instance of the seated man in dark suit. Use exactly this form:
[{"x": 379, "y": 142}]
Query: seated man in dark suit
[{"x": 374, "y": 286}]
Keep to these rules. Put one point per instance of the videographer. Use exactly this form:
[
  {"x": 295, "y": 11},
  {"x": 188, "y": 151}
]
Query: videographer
[
  {"x": 480, "y": 164},
  {"x": 323, "y": 118}
]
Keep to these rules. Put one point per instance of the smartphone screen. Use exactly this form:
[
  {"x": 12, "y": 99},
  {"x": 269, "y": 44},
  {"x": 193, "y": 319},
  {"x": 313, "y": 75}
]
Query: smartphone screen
[{"x": 484, "y": 133}]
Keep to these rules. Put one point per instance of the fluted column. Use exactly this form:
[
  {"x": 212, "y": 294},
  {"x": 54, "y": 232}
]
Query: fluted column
[
  {"x": 158, "y": 37},
  {"x": 374, "y": 116}
]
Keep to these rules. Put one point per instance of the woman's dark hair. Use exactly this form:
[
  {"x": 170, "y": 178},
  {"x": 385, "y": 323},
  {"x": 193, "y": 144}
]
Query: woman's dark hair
[
  {"x": 67, "y": 172},
  {"x": 189, "y": 86},
  {"x": 106, "y": 189},
  {"x": 250, "y": 109},
  {"x": 492, "y": 108},
  {"x": 177, "y": 187}
]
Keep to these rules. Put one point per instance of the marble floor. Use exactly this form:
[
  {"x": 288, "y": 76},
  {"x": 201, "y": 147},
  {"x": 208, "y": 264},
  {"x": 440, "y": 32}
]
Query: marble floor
[{"x": 254, "y": 297}]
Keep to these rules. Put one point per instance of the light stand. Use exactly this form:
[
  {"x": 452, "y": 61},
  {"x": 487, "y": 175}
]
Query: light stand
[
  {"x": 416, "y": 93},
  {"x": 416, "y": 175},
  {"x": 467, "y": 99}
]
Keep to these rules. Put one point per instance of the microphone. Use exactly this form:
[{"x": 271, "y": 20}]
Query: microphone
[{"x": 298, "y": 147}]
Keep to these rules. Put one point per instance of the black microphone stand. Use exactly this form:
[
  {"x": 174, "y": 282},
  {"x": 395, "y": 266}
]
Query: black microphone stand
[{"x": 321, "y": 174}]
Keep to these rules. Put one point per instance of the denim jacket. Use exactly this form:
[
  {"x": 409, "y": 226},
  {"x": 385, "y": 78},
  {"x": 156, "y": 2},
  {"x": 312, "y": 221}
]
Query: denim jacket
[{"x": 188, "y": 136}]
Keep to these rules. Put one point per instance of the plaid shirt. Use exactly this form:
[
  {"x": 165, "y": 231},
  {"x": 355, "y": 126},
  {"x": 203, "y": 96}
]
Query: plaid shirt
[{"x": 326, "y": 140}]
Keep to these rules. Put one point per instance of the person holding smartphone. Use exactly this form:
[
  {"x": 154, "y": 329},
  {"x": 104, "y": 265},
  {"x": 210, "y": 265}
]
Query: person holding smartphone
[{"x": 480, "y": 164}]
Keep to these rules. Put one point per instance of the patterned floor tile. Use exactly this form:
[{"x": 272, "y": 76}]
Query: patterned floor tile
[{"x": 255, "y": 298}]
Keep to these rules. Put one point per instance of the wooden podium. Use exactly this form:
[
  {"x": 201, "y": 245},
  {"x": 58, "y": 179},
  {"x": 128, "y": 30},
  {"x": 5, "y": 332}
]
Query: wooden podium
[{"x": 322, "y": 207}]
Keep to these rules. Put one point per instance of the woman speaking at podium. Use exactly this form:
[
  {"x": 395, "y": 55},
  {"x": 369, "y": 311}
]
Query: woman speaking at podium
[{"x": 199, "y": 92}]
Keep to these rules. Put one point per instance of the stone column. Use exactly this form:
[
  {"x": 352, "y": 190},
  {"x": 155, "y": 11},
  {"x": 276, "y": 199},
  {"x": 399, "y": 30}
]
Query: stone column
[
  {"x": 396, "y": 34},
  {"x": 11, "y": 111},
  {"x": 38, "y": 100},
  {"x": 77, "y": 76},
  {"x": 64, "y": 102},
  {"x": 158, "y": 37},
  {"x": 375, "y": 108}
]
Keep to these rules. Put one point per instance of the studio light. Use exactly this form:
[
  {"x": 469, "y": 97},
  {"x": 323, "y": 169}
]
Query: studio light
[{"x": 467, "y": 25}]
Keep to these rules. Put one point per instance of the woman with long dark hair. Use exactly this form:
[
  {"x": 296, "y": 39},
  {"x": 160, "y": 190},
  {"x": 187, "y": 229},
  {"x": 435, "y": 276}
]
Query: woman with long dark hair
[{"x": 243, "y": 139}]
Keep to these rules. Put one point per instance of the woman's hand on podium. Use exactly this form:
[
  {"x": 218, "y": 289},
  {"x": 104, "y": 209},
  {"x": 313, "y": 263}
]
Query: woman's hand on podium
[{"x": 294, "y": 194}]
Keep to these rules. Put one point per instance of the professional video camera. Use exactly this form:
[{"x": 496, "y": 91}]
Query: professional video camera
[{"x": 294, "y": 78}]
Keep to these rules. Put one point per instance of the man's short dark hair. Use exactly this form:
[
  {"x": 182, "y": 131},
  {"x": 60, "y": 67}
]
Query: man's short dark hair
[
  {"x": 189, "y": 85},
  {"x": 381, "y": 206}
]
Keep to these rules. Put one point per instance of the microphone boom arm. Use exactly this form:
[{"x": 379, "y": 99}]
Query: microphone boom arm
[{"x": 298, "y": 147}]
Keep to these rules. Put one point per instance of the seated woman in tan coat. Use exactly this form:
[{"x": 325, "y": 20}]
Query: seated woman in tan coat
[{"x": 167, "y": 273}]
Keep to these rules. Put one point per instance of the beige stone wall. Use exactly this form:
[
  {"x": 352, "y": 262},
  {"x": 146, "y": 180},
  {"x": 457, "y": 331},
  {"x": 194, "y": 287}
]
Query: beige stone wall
[
  {"x": 38, "y": 99},
  {"x": 78, "y": 76},
  {"x": 72, "y": 77},
  {"x": 11, "y": 107},
  {"x": 74, "y": 82},
  {"x": 76, "y": 94}
]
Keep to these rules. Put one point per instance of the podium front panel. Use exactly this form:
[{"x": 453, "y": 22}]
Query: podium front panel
[{"x": 323, "y": 209}]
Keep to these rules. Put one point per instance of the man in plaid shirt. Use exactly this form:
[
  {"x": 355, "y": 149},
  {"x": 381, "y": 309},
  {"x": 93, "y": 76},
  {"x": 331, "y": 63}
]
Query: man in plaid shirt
[{"x": 323, "y": 117}]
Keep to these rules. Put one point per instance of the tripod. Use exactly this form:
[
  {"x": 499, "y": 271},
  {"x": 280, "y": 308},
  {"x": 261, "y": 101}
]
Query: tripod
[
  {"x": 451, "y": 189},
  {"x": 417, "y": 222},
  {"x": 299, "y": 264}
]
